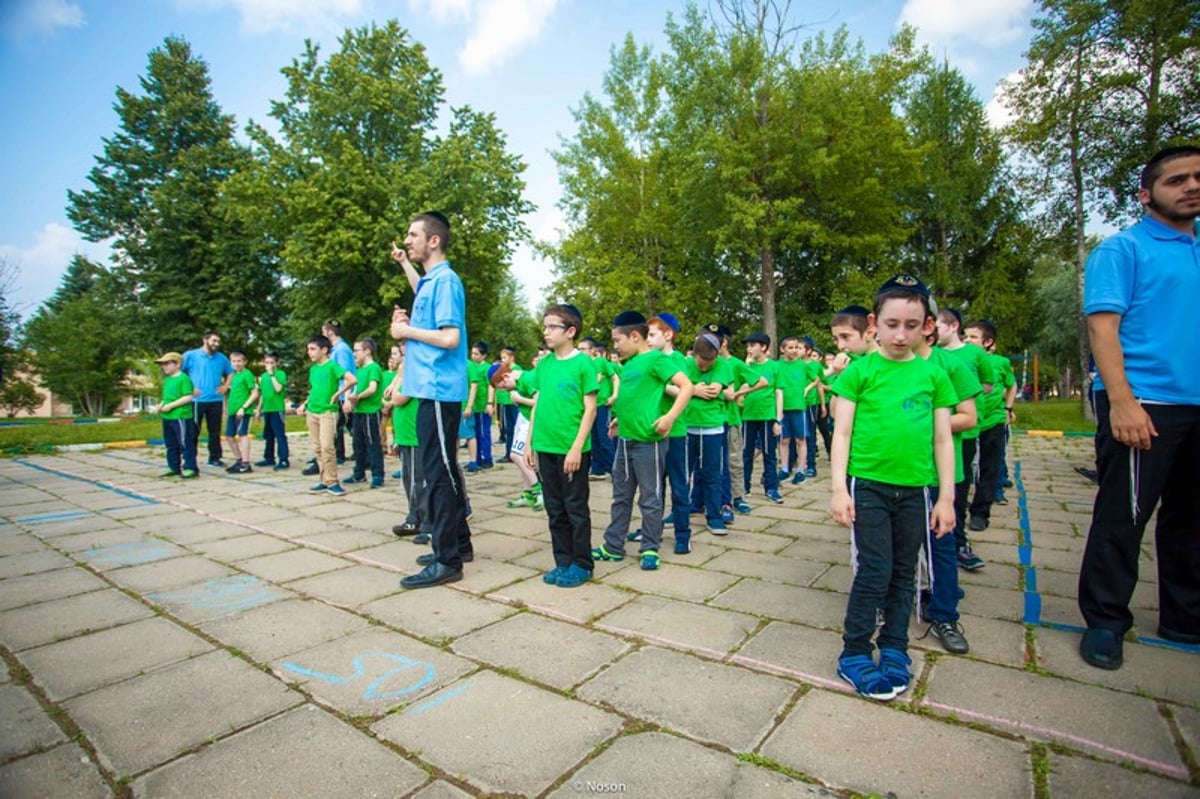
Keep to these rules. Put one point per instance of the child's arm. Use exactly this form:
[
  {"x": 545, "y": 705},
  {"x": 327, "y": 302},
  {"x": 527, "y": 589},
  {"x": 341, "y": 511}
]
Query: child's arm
[
  {"x": 491, "y": 398},
  {"x": 616, "y": 384},
  {"x": 250, "y": 402},
  {"x": 941, "y": 520},
  {"x": 841, "y": 504},
  {"x": 530, "y": 455},
  {"x": 663, "y": 424},
  {"x": 575, "y": 454},
  {"x": 965, "y": 416},
  {"x": 353, "y": 399},
  {"x": 778, "y": 411},
  {"x": 470, "y": 409}
]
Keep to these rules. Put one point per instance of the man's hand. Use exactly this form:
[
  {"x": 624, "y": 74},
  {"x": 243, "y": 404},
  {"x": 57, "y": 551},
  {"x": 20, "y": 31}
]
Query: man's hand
[
  {"x": 399, "y": 323},
  {"x": 399, "y": 255},
  {"x": 1131, "y": 425}
]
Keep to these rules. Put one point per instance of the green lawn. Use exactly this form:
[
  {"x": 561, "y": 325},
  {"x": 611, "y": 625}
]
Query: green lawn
[
  {"x": 1055, "y": 414},
  {"x": 39, "y": 436}
]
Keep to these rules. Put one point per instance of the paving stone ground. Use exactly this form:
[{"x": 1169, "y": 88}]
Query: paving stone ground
[{"x": 239, "y": 637}]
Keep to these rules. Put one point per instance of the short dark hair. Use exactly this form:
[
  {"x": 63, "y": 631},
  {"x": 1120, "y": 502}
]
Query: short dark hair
[
  {"x": 435, "y": 223},
  {"x": 370, "y": 344},
  {"x": 568, "y": 313},
  {"x": 1153, "y": 169},
  {"x": 272, "y": 355},
  {"x": 949, "y": 315},
  {"x": 209, "y": 334},
  {"x": 237, "y": 352},
  {"x": 333, "y": 326},
  {"x": 855, "y": 321},
  {"x": 906, "y": 295},
  {"x": 320, "y": 341},
  {"x": 706, "y": 346},
  {"x": 987, "y": 329},
  {"x": 481, "y": 346}
]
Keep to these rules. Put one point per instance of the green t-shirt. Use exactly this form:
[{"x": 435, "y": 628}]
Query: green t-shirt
[
  {"x": 994, "y": 413},
  {"x": 707, "y": 413},
  {"x": 605, "y": 369},
  {"x": 365, "y": 374},
  {"x": 816, "y": 372},
  {"x": 526, "y": 386},
  {"x": 978, "y": 362},
  {"x": 176, "y": 386},
  {"x": 892, "y": 441},
  {"x": 323, "y": 385},
  {"x": 680, "y": 428},
  {"x": 760, "y": 406},
  {"x": 505, "y": 397},
  {"x": 562, "y": 384},
  {"x": 273, "y": 401},
  {"x": 791, "y": 377},
  {"x": 477, "y": 374},
  {"x": 240, "y": 387},
  {"x": 641, "y": 399},
  {"x": 743, "y": 375},
  {"x": 966, "y": 386},
  {"x": 404, "y": 423}
]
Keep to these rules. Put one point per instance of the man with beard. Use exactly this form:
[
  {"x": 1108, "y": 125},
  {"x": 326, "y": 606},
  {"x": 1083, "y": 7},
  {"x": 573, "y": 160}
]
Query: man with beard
[
  {"x": 1141, "y": 289},
  {"x": 210, "y": 372}
]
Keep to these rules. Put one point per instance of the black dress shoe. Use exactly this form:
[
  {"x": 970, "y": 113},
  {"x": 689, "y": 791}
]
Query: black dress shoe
[
  {"x": 421, "y": 538},
  {"x": 405, "y": 529},
  {"x": 429, "y": 557},
  {"x": 431, "y": 575},
  {"x": 1102, "y": 649},
  {"x": 309, "y": 471}
]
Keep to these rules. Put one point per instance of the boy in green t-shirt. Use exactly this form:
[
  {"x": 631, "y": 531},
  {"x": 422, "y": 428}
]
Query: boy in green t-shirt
[
  {"x": 992, "y": 425},
  {"x": 641, "y": 427},
  {"x": 608, "y": 373},
  {"x": 404, "y": 434},
  {"x": 506, "y": 409},
  {"x": 793, "y": 441},
  {"x": 243, "y": 396},
  {"x": 322, "y": 411},
  {"x": 705, "y": 424},
  {"x": 178, "y": 426},
  {"x": 272, "y": 399},
  {"x": 363, "y": 406},
  {"x": 560, "y": 428},
  {"x": 661, "y": 336},
  {"x": 762, "y": 416},
  {"x": 521, "y": 385},
  {"x": 891, "y": 431},
  {"x": 477, "y": 414}
]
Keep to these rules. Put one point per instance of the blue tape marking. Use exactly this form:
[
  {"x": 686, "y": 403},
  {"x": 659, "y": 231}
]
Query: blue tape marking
[
  {"x": 373, "y": 692},
  {"x": 1025, "y": 555},
  {"x": 62, "y": 516},
  {"x": 1031, "y": 579},
  {"x": 432, "y": 703},
  {"x": 129, "y": 554},
  {"x": 1033, "y": 607},
  {"x": 226, "y": 594},
  {"x": 105, "y": 486}
]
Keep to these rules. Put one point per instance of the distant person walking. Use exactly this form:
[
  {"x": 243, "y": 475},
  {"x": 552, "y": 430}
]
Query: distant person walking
[
  {"x": 210, "y": 372},
  {"x": 1141, "y": 290}
]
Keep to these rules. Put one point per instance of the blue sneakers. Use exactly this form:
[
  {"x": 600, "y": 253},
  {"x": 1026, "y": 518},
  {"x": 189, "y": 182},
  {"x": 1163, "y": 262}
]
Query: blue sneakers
[
  {"x": 740, "y": 505},
  {"x": 683, "y": 543},
  {"x": 865, "y": 677},
  {"x": 636, "y": 535},
  {"x": 649, "y": 560},
  {"x": 893, "y": 665},
  {"x": 573, "y": 576},
  {"x": 336, "y": 490},
  {"x": 773, "y": 495},
  {"x": 717, "y": 527},
  {"x": 783, "y": 474},
  {"x": 798, "y": 479},
  {"x": 551, "y": 577}
]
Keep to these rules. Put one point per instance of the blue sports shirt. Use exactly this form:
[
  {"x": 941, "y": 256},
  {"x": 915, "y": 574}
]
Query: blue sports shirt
[
  {"x": 206, "y": 372},
  {"x": 433, "y": 372},
  {"x": 1150, "y": 275}
]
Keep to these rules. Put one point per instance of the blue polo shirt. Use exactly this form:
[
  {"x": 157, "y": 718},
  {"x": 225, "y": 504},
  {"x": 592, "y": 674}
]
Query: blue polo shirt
[
  {"x": 433, "y": 372},
  {"x": 342, "y": 354},
  {"x": 1150, "y": 275},
  {"x": 206, "y": 372}
]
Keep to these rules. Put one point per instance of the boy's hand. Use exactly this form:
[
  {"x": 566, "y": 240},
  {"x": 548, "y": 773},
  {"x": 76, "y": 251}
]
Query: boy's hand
[
  {"x": 842, "y": 508},
  {"x": 662, "y": 425},
  {"x": 347, "y": 406},
  {"x": 241, "y": 412},
  {"x": 840, "y": 362},
  {"x": 571, "y": 462},
  {"x": 612, "y": 428},
  {"x": 707, "y": 391},
  {"x": 941, "y": 519},
  {"x": 530, "y": 457}
]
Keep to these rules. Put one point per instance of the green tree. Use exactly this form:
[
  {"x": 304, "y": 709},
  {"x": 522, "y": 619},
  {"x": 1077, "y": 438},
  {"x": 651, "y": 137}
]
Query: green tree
[
  {"x": 184, "y": 259},
  {"x": 18, "y": 395},
  {"x": 10, "y": 324},
  {"x": 354, "y": 160}
]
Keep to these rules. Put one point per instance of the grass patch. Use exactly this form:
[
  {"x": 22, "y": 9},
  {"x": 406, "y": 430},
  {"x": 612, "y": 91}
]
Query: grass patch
[
  {"x": 1054, "y": 414},
  {"x": 39, "y": 435}
]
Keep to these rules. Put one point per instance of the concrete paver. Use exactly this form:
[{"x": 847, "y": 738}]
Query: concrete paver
[{"x": 714, "y": 676}]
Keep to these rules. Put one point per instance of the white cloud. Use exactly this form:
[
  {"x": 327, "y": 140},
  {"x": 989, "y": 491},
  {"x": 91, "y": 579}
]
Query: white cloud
[
  {"x": 25, "y": 18},
  {"x": 496, "y": 28},
  {"x": 997, "y": 110},
  {"x": 304, "y": 16},
  {"x": 39, "y": 266},
  {"x": 957, "y": 23}
]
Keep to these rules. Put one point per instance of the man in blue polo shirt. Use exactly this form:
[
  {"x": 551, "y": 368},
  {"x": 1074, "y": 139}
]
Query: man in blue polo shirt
[
  {"x": 435, "y": 373},
  {"x": 1141, "y": 295},
  {"x": 210, "y": 372}
]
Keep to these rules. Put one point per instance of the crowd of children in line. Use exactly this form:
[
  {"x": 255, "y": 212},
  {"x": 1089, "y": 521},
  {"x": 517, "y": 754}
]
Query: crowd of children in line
[{"x": 912, "y": 410}]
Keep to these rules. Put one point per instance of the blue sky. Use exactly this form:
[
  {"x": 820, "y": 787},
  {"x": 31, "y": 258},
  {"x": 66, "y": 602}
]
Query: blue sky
[{"x": 527, "y": 61}]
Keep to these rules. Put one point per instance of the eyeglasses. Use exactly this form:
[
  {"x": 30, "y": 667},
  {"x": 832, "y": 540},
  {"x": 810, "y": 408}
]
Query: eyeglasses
[{"x": 553, "y": 326}]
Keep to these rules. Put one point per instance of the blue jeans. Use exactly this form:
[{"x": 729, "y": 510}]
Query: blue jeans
[
  {"x": 890, "y": 523},
  {"x": 274, "y": 435},
  {"x": 483, "y": 438},
  {"x": 509, "y": 414},
  {"x": 602, "y": 445},
  {"x": 678, "y": 474},
  {"x": 811, "y": 436},
  {"x": 705, "y": 455},
  {"x": 760, "y": 433},
  {"x": 179, "y": 436},
  {"x": 944, "y": 578}
]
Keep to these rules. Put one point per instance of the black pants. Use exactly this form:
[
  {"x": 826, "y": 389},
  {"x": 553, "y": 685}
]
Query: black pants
[
  {"x": 991, "y": 452},
  {"x": 368, "y": 445},
  {"x": 962, "y": 492},
  {"x": 444, "y": 500},
  {"x": 566, "y": 498},
  {"x": 339, "y": 435},
  {"x": 210, "y": 414},
  {"x": 1166, "y": 472}
]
